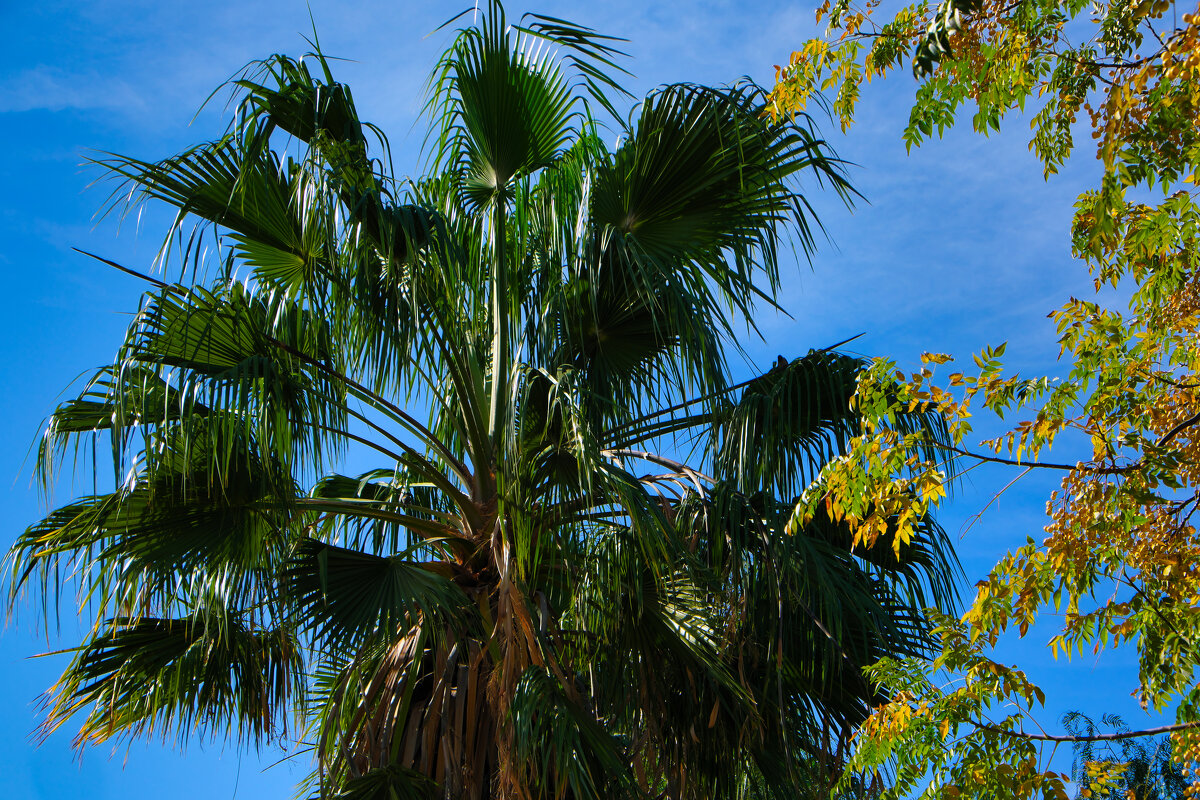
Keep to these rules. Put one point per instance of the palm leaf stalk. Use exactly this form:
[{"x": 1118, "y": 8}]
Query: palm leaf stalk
[{"x": 534, "y": 595}]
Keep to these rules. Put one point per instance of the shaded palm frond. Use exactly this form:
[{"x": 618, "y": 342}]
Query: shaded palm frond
[
  {"x": 788, "y": 423},
  {"x": 564, "y": 750},
  {"x": 343, "y": 596},
  {"x": 390, "y": 782}
]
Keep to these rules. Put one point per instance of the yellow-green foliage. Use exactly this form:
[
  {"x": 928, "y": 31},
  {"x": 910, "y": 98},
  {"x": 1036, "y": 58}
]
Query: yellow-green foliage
[{"x": 1120, "y": 556}]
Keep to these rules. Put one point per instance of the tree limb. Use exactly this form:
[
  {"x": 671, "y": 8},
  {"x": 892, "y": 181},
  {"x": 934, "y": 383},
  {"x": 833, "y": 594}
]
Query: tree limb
[
  {"x": 1042, "y": 464},
  {"x": 1096, "y": 737}
]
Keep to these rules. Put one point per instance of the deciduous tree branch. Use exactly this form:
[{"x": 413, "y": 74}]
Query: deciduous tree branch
[
  {"x": 1096, "y": 737},
  {"x": 1041, "y": 464}
]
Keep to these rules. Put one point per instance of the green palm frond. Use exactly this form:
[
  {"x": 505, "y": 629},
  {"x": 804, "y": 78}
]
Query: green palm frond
[
  {"x": 300, "y": 104},
  {"x": 254, "y": 355},
  {"x": 926, "y": 571},
  {"x": 502, "y": 106},
  {"x": 274, "y": 220},
  {"x": 589, "y": 54},
  {"x": 566, "y": 752},
  {"x": 788, "y": 423},
  {"x": 178, "y": 677},
  {"x": 194, "y": 515},
  {"x": 343, "y": 596},
  {"x": 704, "y": 180},
  {"x": 118, "y": 398},
  {"x": 630, "y": 348},
  {"x": 321, "y": 113}
]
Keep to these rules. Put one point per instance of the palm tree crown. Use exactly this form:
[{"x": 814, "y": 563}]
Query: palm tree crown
[{"x": 571, "y": 575}]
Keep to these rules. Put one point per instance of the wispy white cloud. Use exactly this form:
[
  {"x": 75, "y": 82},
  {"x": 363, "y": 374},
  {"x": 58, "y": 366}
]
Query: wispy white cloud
[{"x": 49, "y": 88}]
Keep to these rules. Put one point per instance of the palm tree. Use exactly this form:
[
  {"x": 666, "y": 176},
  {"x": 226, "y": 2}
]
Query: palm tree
[{"x": 572, "y": 574}]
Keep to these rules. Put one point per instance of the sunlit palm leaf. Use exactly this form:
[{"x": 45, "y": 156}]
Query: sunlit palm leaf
[
  {"x": 269, "y": 216},
  {"x": 505, "y": 109},
  {"x": 703, "y": 181}
]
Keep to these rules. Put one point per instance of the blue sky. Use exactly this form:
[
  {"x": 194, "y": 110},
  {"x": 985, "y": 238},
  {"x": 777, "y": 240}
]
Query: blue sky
[{"x": 960, "y": 244}]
